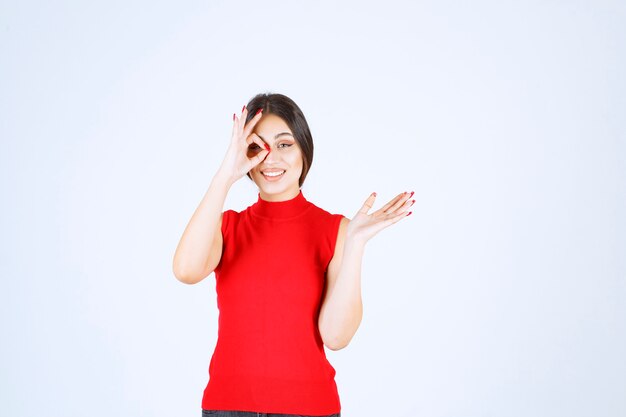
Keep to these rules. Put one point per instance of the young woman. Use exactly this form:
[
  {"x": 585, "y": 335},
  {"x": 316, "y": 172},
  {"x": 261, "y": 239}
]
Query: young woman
[{"x": 287, "y": 272}]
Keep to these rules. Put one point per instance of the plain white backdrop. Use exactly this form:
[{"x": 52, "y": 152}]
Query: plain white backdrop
[{"x": 503, "y": 294}]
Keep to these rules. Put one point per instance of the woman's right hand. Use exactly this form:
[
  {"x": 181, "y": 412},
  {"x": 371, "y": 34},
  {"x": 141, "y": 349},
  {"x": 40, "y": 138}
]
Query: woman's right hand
[{"x": 237, "y": 161}]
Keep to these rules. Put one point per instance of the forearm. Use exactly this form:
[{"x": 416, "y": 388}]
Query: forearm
[
  {"x": 193, "y": 253},
  {"x": 343, "y": 310}
]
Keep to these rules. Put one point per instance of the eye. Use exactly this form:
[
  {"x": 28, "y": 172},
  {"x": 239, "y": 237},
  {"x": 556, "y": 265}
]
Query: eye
[{"x": 286, "y": 145}]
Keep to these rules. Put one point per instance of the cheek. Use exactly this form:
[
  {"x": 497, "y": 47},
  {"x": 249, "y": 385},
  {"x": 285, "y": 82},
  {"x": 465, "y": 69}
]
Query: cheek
[
  {"x": 295, "y": 159},
  {"x": 296, "y": 165}
]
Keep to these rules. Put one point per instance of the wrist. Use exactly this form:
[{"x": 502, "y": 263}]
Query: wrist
[
  {"x": 222, "y": 179},
  {"x": 354, "y": 242}
]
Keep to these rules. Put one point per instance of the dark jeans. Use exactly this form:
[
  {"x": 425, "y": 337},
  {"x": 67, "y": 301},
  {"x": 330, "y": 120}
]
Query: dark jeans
[{"x": 220, "y": 413}]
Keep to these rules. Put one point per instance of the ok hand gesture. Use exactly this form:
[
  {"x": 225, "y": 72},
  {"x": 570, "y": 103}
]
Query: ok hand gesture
[{"x": 236, "y": 163}]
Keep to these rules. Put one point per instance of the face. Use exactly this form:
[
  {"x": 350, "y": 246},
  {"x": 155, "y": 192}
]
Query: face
[{"x": 285, "y": 155}]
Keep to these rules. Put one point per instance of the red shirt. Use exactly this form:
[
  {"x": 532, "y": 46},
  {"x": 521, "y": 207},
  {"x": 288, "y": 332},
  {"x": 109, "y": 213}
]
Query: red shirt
[{"x": 269, "y": 356}]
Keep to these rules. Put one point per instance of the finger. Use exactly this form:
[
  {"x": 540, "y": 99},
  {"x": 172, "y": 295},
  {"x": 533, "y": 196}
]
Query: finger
[
  {"x": 392, "y": 219},
  {"x": 369, "y": 202},
  {"x": 384, "y": 209},
  {"x": 250, "y": 125},
  {"x": 382, "y": 223},
  {"x": 396, "y": 218},
  {"x": 236, "y": 128},
  {"x": 254, "y": 138},
  {"x": 244, "y": 113},
  {"x": 232, "y": 133},
  {"x": 402, "y": 204},
  {"x": 257, "y": 159},
  {"x": 238, "y": 121},
  {"x": 256, "y": 154}
]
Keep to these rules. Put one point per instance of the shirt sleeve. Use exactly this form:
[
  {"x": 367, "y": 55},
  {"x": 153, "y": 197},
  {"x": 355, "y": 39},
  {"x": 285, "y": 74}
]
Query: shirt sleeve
[
  {"x": 227, "y": 233},
  {"x": 334, "y": 231},
  {"x": 332, "y": 234}
]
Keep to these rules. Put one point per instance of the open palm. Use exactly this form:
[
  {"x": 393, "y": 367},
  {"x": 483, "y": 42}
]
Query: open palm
[{"x": 364, "y": 226}]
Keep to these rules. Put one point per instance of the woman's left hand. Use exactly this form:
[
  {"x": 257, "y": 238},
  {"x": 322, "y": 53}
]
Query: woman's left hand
[{"x": 364, "y": 226}]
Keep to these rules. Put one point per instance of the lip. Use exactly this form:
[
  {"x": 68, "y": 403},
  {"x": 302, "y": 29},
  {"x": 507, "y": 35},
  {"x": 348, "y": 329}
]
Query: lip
[{"x": 273, "y": 179}]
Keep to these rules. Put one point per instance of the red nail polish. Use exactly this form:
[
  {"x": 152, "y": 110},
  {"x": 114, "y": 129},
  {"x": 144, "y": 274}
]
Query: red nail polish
[
  {"x": 259, "y": 111},
  {"x": 411, "y": 194},
  {"x": 374, "y": 194},
  {"x": 267, "y": 147},
  {"x": 409, "y": 213},
  {"x": 233, "y": 117},
  {"x": 243, "y": 108}
]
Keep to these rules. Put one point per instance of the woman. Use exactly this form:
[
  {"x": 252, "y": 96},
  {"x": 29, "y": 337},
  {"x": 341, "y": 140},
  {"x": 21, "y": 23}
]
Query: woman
[{"x": 287, "y": 272}]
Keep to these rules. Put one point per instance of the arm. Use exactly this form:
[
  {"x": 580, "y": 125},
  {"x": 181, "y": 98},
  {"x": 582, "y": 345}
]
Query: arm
[
  {"x": 342, "y": 309},
  {"x": 200, "y": 248}
]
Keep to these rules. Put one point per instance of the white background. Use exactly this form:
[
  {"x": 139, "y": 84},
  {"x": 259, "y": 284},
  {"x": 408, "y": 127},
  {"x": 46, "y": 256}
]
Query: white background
[{"x": 503, "y": 294}]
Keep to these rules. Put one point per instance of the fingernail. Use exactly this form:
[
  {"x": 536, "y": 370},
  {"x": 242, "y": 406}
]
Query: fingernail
[
  {"x": 267, "y": 147},
  {"x": 243, "y": 108},
  {"x": 374, "y": 194},
  {"x": 409, "y": 213},
  {"x": 233, "y": 117},
  {"x": 259, "y": 111},
  {"x": 411, "y": 194}
]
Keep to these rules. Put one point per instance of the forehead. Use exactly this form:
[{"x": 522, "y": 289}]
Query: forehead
[{"x": 270, "y": 125}]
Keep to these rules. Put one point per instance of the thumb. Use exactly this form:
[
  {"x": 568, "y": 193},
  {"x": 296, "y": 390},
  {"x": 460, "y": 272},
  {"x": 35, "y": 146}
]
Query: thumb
[
  {"x": 258, "y": 158},
  {"x": 369, "y": 202}
]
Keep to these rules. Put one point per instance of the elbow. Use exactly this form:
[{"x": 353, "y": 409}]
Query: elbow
[
  {"x": 187, "y": 277},
  {"x": 187, "y": 280},
  {"x": 335, "y": 343},
  {"x": 335, "y": 346},
  {"x": 335, "y": 339}
]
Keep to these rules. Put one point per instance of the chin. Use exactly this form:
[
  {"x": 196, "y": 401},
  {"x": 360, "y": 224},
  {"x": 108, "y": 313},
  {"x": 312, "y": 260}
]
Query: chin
[{"x": 275, "y": 187}]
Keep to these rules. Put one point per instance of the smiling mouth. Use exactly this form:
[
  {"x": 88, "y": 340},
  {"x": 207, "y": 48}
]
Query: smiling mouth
[{"x": 273, "y": 174}]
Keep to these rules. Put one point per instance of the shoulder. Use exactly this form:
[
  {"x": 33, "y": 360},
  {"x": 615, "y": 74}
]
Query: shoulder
[
  {"x": 334, "y": 220},
  {"x": 342, "y": 228},
  {"x": 335, "y": 223},
  {"x": 320, "y": 212},
  {"x": 230, "y": 215},
  {"x": 229, "y": 220}
]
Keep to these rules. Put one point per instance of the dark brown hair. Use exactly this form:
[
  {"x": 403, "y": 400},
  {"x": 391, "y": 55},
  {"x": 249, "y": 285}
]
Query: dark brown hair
[{"x": 285, "y": 108}]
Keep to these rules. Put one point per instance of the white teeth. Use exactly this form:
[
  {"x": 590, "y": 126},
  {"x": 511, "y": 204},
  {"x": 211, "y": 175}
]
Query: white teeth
[{"x": 273, "y": 174}]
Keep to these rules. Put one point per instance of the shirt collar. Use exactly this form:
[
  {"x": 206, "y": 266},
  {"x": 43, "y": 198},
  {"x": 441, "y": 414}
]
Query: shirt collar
[{"x": 280, "y": 209}]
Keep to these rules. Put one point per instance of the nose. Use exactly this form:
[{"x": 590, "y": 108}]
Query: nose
[{"x": 272, "y": 156}]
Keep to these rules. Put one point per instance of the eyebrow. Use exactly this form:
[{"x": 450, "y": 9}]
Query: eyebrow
[{"x": 277, "y": 136}]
